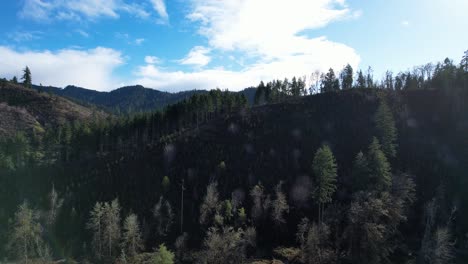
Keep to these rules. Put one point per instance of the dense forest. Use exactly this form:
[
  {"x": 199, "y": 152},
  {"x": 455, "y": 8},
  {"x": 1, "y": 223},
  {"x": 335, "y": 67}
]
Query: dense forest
[{"x": 344, "y": 170}]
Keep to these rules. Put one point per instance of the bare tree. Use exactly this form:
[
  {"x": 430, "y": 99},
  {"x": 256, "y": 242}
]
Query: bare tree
[
  {"x": 164, "y": 216},
  {"x": 210, "y": 204},
  {"x": 279, "y": 206},
  {"x": 112, "y": 226},
  {"x": 26, "y": 237},
  {"x": 96, "y": 225}
]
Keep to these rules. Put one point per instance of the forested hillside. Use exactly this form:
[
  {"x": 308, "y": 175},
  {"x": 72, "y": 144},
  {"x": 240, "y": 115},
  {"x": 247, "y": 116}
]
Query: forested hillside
[
  {"x": 347, "y": 171},
  {"x": 126, "y": 100}
]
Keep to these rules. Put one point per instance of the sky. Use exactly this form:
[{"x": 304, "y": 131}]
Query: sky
[{"x": 176, "y": 45}]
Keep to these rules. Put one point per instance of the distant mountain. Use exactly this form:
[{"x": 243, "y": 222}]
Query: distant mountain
[
  {"x": 30, "y": 111},
  {"x": 129, "y": 99}
]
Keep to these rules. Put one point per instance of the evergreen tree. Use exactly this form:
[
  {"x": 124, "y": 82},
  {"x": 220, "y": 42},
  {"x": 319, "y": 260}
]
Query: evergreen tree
[
  {"x": 360, "y": 172},
  {"x": 259, "y": 93},
  {"x": 132, "y": 242},
  {"x": 386, "y": 129},
  {"x": 330, "y": 82},
  {"x": 370, "y": 78},
  {"x": 464, "y": 61},
  {"x": 361, "y": 81},
  {"x": 14, "y": 80},
  {"x": 163, "y": 256},
  {"x": 379, "y": 167},
  {"x": 325, "y": 172},
  {"x": 388, "y": 82},
  {"x": 27, "y": 80},
  {"x": 347, "y": 77}
]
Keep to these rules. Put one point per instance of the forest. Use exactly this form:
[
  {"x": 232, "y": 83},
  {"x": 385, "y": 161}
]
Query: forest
[{"x": 340, "y": 168}]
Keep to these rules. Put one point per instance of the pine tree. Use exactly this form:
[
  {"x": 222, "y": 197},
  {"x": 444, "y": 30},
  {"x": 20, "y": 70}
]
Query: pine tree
[
  {"x": 163, "y": 256},
  {"x": 386, "y": 130},
  {"x": 132, "y": 242},
  {"x": 347, "y": 77},
  {"x": 361, "y": 81},
  {"x": 27, "y": 80},
  {"x": 360, "y": 172},
  {"x": 330, "y": 82},
  {"x": 325, "y": 172},
  {"x": 464, "y": 61},
  {"x": 379, "y": 167},
  {"x": 14, "y": 80}
]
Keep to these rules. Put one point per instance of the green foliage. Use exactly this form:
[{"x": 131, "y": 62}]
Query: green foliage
[
  {"x": 242, "y": 215},
  {"x": 346, "y": 77},
  {"x": 165, "y": 183},
  {"x": 325, "y": 172},
  {"x": 386, "y": 130},
  {"x": 27, "y": 80},
  {"x": 361, "y": 81},
  {"x": 361, "y": 172},
  {"x": 163, "y": 256},
  {"x": 380, "y": 171},
  {"x": 330, "y": 82}
]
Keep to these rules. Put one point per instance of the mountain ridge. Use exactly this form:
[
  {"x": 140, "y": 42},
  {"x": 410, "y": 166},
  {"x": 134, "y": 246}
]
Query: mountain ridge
[{"x": 128, "y": 99}]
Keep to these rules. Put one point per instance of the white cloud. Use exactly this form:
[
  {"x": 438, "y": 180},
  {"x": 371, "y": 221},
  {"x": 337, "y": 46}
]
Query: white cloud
[
  {"x": 87, "y": 68},
  {"x": 197, "y": 56},
  {"x": 152, "y": 60},
  {"x": 405, "y": 23},
  {"x": 46, "y": 11},
  {"x": 271, "y": 33},
  {"x": 22, "y": 36},
  {"x": 160, "y": 7},
  {"x": 139, "y": 41},
  {"x": 288, "y": 66}
]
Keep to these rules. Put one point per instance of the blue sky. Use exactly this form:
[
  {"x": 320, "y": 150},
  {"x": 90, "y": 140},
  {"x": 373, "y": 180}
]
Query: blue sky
[{"x": 178, "y": 45}]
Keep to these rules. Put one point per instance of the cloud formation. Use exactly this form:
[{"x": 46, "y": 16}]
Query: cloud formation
[
  {"x": 46, "y": 11},
  {"x": 271, "y": 33},
  {"x": 160, "y": 8},
  {"x": 86, "y": 68},
  {"x": 197, "y": 57}
]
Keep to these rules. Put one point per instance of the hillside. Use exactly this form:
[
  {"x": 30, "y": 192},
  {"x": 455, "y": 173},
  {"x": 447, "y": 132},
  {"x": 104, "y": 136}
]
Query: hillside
[
  {"x": 129, "y": 99},
  {"x": 28, "y": 110},
  {"x": 262, "y": 146}
]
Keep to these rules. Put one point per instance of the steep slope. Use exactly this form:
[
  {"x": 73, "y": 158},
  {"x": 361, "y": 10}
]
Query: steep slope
[
  {"x": 267, "y": 144},
  {"x": 28, "y": 110}
]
